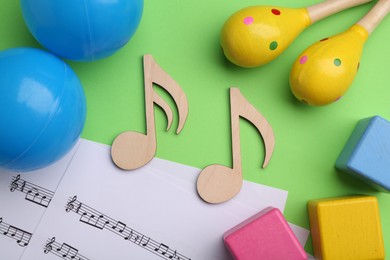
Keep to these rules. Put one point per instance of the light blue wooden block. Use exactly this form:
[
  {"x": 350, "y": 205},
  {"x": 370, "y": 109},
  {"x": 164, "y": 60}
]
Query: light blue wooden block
[{"x": 367, "y": 153}]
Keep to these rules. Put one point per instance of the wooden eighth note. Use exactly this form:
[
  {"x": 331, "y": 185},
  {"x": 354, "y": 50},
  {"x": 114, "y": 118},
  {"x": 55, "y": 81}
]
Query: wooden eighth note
[
  {"x": 218, "y": 183},
  {"x": 131, "y": 150}
]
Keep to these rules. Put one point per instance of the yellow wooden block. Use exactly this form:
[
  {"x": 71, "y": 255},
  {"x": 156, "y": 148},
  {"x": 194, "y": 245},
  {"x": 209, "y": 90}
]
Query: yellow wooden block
[{"x": 346, "y": 228}]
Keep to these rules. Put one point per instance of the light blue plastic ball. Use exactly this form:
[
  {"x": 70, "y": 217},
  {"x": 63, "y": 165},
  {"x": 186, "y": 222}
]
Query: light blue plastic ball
[
  {"x": 42, "y": 109},
  {"x": 82, "y": 30}
]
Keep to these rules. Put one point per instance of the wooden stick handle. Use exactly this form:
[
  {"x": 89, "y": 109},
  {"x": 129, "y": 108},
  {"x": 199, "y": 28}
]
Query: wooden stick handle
[
  {"x": 327, "y": 8},
  {"x": 371, "y": 20}
]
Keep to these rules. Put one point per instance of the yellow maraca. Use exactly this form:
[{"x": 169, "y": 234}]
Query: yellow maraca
[
  {"x": 256, "y": 35},
  {"x": 324, "y": 71}
]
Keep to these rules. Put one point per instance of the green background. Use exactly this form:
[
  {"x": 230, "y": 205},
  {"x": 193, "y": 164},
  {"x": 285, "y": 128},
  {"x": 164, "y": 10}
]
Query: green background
[{"x": 183, "y": 37}]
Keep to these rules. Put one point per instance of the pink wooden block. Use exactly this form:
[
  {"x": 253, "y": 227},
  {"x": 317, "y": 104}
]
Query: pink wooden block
[{"x": 265, "y": 235}]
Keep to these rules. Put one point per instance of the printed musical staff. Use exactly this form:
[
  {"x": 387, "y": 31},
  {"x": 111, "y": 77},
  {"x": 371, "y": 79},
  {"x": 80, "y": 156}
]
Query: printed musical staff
[
  {"x": 34, "y": 193},
  {"x": 98, "y": 220},
  {"x": 22, "y": 237},
  {"x": 63, "y": 250}
]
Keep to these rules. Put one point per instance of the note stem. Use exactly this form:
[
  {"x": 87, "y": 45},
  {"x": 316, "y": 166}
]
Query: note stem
[
  {"x": 235, "y": 128},
  {"x": 149, "y": 103}
]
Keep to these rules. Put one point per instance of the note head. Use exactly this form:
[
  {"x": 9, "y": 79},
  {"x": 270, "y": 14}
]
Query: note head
[
  {"x": 132, "y": 150},
  {"x": 22, "y": 244},
  {"x": 218, "y": 183}
]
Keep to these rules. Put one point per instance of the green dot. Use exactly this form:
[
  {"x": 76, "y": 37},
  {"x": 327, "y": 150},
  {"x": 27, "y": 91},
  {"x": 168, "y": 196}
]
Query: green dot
[
  {"x": 273, "y": 45},
  {"x": 337, "y": 62}
]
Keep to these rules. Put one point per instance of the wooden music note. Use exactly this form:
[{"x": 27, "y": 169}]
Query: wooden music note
[
  {"x": 131, "y": 150},
  {"x": 218, "y": 183}
]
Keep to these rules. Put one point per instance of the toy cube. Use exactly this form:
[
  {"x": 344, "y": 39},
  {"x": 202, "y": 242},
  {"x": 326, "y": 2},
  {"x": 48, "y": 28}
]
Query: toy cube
[
  {"x": 367, "y": 153},
  {"x": 346, "y": 228},
  {"x": 265, "y": 235}
]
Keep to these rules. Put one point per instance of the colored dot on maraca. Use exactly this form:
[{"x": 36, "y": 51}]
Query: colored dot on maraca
[
  {"x": 253, "y": 36},
  {"x": 323, "y": 72},
  {"x": 256, "y": 35},
  {"x": 42, "y": 106},
  {"x": 82, "y": 30}
]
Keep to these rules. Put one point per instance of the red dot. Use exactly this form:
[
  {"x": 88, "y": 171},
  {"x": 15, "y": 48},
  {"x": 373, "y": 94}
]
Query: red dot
[{"x": 275, "y": 11}]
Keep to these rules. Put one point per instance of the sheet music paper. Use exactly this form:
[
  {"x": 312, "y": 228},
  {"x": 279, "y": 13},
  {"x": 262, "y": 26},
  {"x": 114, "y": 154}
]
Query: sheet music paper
[
  {"x": 254, "y": 192},
  {"x": 101, "y": 212},
  {"x": 24, "y": 196}
]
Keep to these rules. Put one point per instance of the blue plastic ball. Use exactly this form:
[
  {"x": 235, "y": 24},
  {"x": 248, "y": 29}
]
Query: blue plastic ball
[
  {"x": 42, "y": 106},
  {"x": 82, "y": 30}
]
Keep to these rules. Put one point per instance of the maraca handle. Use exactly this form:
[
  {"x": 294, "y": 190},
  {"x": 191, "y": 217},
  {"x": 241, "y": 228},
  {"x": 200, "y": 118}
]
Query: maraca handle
[
  {"x": 371, "y": 20},
  {"x": 327, "y": 8}
]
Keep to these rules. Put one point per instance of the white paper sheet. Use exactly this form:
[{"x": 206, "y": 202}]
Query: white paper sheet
[
  {"x": 249, "y": 200},
  {"x": 157, "y": 204},
  {"x": 23, "y": 201}
]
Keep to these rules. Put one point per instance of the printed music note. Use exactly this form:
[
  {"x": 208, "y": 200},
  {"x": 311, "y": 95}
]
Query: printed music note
[
  {"x": 63, "y": 250},
  {"x": 34, "y": 193},
  {"x": 66, "y": 250},
  {"x": 162, "y": 249},
  {"x": 11, "y": 231},
  {"x": 129, "y": 236},
  {"x": 120, "y": 227},
  {"x": 131, "y": 150},
  {"x": 145, "y": 243},
  {"x": 174, "y": 256},
  {"x": 218, "y": 183},
  {"x": 22, "y": 237},
  {"x": 34, "y": 196},
  {"x": 99, "y": 220}
]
